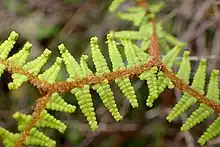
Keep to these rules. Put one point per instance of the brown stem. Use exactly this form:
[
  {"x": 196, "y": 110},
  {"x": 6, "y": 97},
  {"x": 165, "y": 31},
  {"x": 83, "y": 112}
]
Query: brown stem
[
  {"x": 178, "y": 83},
  {"x": 142, "y": 3},
  {"x": 154, "y": 49},
  {"x": 47, "y": 88},
  {"x": 40, "y": 106}
]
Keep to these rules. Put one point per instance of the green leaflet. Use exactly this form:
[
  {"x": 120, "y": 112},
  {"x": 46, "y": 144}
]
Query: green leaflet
[
  {"x": 6, "y": 47},
  {"x": 145, "y": 44},
  {"x": 71, "y": 64},
  {"x": 172, "y": 40},
  {"x": 204, "y": 111},
  {"x": 164, "y": 46},
  {"x": 133, "y": 35},
  {"x": 58, "y": 104},
  {"x": 83, "y": 95},
  {"x": 8, "y": 44},
  {"x": 8, "y": 138},
  {"x": 115, "y": 56},
  {"x": 47, "y": 120},
  {"x": 156, "y": 7},
  {"x": 170, "y": 57},
  {"x": 141, "y": 54},
  {"x": 152, "y": 83},
  {"x": 38, "y": 138},
  {"x": 145, "y": 31},
  {"x": 117, "y": 63},
  {"x": 135, "y": 15},
  {"x": 168, "y": 60},
  {"x": 103, "y": 88},
  {"x": 84, "y": 99},
  {"x": 50, "y": 74},
  {"x": 185, "y": 68},
  {"x": 114, "y": 5},
  {"x": 212, "y": 131},
  {"x": 83, "y": 64},
  {"x": 21, "y": 57},
  {"x": 33, "y": 67},
  {"x": 186, "y": 100},
  {"x": 136, "y": 56}
]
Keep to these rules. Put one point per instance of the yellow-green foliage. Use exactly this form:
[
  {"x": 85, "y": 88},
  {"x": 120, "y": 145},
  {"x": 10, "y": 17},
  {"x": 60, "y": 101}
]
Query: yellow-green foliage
[{"x": 136, "y": 55}]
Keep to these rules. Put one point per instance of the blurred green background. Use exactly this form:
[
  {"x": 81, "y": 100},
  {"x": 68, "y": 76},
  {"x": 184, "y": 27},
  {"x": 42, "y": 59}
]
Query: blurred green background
[{"x": 48, "y": 23}]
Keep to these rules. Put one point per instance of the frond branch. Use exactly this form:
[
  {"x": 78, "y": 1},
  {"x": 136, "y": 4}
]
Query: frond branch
[
  {"x": 40, "y": 106},
  {"x": 179, "y": 83}
]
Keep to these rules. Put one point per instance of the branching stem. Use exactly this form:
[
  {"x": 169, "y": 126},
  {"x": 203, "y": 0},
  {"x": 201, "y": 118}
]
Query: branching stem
[{"x": 46, "y": 89}]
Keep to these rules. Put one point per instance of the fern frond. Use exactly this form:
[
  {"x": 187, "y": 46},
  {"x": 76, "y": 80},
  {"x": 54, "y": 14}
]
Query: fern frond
[
  {"x": 83, "y": 95},
  {"x": 168, "y": 60},
  {"x": 6, "y": 47},
  {"x": 134, "y": 14},
  {"x": 142, "y": 60},
  {"x": 58, "y": 104},
  {"x": 46, "y": 120},
  {"x": 135, "y": 56},
  {"x": 38, "y": 138},
  {"x": 50, "y": 74},
  {"x": 186, "y": 100},
  {"x": 117, "y": 63},
  {"x": 114, "y": 5},
  {"x": 211, "y": 132},
  {"x": 103, "y": 88},
  {"x": 185, "y": 68},
  {"x": 21, "y": 57},
  {"x": 8, "y": 138},
  {"x": 145, "y": 44},
  {"x": 151, "y": 77},
  {"x": 8, "y": 44},
  {"x": 204, "y": 111},
  {"x": 35, "y": 65},
  {"x": 172, "y": 40},
  {"x": 32, "y": 67}
]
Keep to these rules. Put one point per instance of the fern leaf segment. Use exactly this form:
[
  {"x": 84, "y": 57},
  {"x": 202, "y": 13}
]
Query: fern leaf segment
[
  {"x": 134, "y": 14},
  {"x": 35, "y": 65},
  {"x": 212, "y": 131},
  {"x": 152, "y": 83},
  {"x": 114, "y": 5},
  {"x": 8, "y": 44},
  {"x": 117, "y": 63},
  {"x": 32, "y": 67},
  {"x": 46, "y": 120},
  {"x": 103, "y": 88},
  {"x": 21, "y": 57},
  {"x": 8, "y": 138},
  {"x": 50, "y": 74},
  {"x": 71, "y": 64},
  {"x": 204, "y": 111},
  {"x": 58, "y": 104},
  {"x": 6, "y": 47},
  {"x": 186, "y": 100},
  {"x": 168, "y": 60},
  {"x": 38, "y": 138},
  {"x": 84, "y": 99},
  {"x": 83, "y": 95},
  {"x": 185, "y": 68}
]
